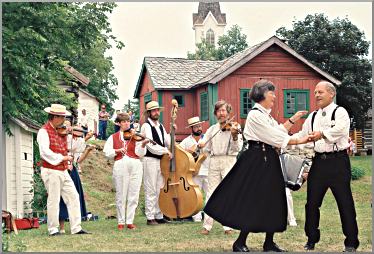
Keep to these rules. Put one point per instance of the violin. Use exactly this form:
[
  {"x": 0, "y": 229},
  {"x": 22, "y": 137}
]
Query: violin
[
  {"x": 230, "y": 124},
  {"x": 128, "y": 134},
  {"x": 63, "y": 130}
]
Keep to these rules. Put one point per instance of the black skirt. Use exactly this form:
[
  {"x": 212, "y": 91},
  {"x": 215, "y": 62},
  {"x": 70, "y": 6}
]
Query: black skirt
[
  {"x": 252, "y": 196},
  {"x": 78, "y": 185}
]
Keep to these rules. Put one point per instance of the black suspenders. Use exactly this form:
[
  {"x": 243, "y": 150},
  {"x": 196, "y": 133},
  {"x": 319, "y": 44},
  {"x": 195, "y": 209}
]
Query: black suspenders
[{"x": 332, "y": 123}]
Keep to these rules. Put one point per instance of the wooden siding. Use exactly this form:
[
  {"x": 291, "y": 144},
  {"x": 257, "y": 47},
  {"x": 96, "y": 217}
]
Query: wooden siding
[
  {"x": 19, "y": 172},
  {"x": 275, "y": 62},
  {"x": 146, "y": 87},
  {"x": 183, "y": 113},
  {"x": 279, "y": 67}
]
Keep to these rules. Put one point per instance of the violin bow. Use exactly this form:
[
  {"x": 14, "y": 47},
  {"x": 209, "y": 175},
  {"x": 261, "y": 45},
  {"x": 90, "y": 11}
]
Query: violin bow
[{"x": 229, "y": 121}]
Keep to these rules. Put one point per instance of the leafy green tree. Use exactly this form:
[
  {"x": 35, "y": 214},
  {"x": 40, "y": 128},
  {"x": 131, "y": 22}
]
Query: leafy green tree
[
  {"x": 134, "y": 106},
  {"x": 231, "y": 43},
  {"x": 39, "y": 39},
  {"x": 228, "y": 44},
  {"x": 341, "y": 49},
  {"x": 204, "y": 51}
]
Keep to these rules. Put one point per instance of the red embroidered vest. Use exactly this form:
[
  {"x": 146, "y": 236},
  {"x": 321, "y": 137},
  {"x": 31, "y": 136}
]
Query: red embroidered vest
[
  {"x": 58, "y": 144},
  {"x": 118, "y": 144}
]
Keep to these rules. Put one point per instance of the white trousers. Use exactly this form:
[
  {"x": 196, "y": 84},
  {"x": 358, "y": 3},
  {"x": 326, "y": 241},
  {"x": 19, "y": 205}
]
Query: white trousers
[
  {"x": 153, "y": 182},
  {"x": 219, "y": 167},
  {"x": 290, "y": 215},
  {"x": 59, "y": 184},
  {"x": 127, "y": 179},
  {"x": 202, "y": 182}
]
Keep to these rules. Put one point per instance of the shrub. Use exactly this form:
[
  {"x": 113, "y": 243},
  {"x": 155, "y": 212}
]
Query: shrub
[{"x": 357, "y": 173}]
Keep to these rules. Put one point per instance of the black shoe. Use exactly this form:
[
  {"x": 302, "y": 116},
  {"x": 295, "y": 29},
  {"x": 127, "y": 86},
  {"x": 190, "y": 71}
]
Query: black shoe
[
  {"x": 55, "y": 234},
  {"x": 309, "y": 246},
  {"x": 238, "y": 248},
  {"x": 162, "y": 221},
  {"x": 82, "y": 232},
  {"x": 152, "y": 222},
  {"x": 272, "y": 247},
  {"x": 349, "y": 249}
]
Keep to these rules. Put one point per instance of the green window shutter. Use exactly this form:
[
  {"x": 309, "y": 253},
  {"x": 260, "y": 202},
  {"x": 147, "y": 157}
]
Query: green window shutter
[
  {"x": 204, "y": 106},
  {"x": 295, "y": 100},
  {"x": 245, "y": 103},
  {"x": 147, "y": 98}
]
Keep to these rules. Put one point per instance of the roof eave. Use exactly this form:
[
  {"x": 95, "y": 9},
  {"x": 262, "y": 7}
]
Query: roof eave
[
  {"x": 260, "y": 49},
  {"x": 24, "y": 126},
  {"x": 138, "y": 85}
]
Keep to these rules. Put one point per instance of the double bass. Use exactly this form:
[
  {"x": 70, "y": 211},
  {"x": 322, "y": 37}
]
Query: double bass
[{"x": 180, "y": 197}]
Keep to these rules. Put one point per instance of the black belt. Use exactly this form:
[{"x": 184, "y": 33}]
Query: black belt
[
  {"x": 329, "y": 155},
  {"x": 259, "y": 144}
]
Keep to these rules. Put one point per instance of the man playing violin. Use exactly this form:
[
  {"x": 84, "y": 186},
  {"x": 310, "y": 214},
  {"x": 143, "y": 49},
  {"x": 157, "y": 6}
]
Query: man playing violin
[
  {"x": 223, "y": 147},
  {"x": 127, "y": 170},
  {"x": 190, "y": 144},
  {"x": 153, "y": 180},
  {"x": 53, "y": 150}
]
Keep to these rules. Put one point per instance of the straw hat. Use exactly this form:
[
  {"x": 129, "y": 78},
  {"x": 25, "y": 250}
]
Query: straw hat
[
  {"x": 57, "y": 109},
  {"x": 152, "y": 105},
  {"x": 193, "y": 121}
]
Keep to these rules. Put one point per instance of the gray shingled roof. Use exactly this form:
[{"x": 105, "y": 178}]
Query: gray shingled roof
[
  {"x": 181, "y": 73},
  {"x": 167, "y": 73}
]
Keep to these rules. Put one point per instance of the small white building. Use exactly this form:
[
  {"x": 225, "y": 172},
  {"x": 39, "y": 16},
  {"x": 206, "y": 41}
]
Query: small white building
[
  {"x": 91, "y": 104},
  {"x": 17, "y": 190},
  {"x": 85, "y": 100}
]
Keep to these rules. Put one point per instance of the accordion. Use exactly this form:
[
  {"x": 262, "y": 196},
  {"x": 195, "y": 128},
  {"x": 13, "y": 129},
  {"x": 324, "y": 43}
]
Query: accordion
[{"x": 293, "y": 167}]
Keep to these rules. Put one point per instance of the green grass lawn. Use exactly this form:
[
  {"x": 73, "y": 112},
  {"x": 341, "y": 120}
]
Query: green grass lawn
[{"x": 186, "y": 236}]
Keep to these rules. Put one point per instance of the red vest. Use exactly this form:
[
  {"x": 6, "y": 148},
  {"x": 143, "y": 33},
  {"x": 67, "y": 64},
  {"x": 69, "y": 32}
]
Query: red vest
[
  {"x": 58, "y": 144},
  {"x": 118, "y": 144}
]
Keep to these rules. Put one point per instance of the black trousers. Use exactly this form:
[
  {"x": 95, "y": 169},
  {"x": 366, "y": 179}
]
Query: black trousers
[{"x": 335, "y": 173}]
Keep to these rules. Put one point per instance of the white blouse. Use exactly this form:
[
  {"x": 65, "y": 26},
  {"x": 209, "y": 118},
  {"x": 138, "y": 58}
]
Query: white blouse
[{"x": 261, "y": 126}]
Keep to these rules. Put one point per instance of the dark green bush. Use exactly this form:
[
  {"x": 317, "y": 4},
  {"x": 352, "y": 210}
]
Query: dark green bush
[{"x": 357, "y": 173}]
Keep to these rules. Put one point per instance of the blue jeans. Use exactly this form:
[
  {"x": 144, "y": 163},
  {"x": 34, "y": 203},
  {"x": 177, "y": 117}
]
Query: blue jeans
[{"x": 102, "y": 129}]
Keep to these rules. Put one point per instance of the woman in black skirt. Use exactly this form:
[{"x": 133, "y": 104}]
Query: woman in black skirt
[{"x": 252, "y": 196}]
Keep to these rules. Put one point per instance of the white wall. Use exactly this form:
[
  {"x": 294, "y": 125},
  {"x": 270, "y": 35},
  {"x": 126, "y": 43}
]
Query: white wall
[
  {"x": 19, "y": 171},
  {"x": 92, "y": 108}
]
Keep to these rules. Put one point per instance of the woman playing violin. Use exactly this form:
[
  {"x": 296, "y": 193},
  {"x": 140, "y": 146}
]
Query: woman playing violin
[
  {"x": 127, "y": 169},
  {"x": 77, "y": 149}
]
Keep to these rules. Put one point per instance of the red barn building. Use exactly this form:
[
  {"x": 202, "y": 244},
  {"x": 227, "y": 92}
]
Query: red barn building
[{"x": 197, "y": 84}]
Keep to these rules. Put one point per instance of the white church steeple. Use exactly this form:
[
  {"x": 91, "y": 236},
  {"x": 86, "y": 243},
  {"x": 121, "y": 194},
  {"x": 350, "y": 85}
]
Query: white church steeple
[{"x": 209, "y": 22}]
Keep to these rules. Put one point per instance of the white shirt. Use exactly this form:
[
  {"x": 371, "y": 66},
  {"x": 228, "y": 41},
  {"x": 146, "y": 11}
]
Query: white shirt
[
  {"x": 187, "y": 143},
  {"x": 261, "y": 126},
  {"x": 222, "y": 143},
  {"x": 338, "y": 134},
  {"x": 156, "y": 149},
  {"x": 45, "y": 152},
  {"x": 77, "y": 148},
  {"x": 109, "y": 150}
]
